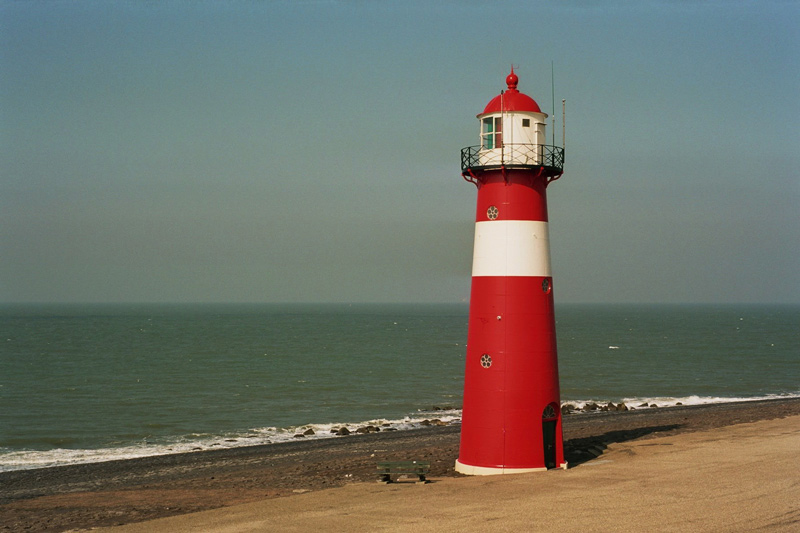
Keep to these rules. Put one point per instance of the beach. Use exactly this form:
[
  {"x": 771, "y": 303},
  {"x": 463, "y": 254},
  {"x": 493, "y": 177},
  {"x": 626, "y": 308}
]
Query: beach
[{"x": 679, "y": 467}]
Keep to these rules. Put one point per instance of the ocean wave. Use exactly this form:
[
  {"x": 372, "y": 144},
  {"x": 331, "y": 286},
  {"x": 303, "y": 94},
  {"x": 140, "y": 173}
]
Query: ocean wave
[
  {"x": 11, "y": 460},
  {"x": 645, "y": 402}
]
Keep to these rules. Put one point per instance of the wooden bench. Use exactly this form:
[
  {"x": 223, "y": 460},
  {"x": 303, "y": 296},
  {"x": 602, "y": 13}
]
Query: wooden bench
[{"x": 387, "y": 469}]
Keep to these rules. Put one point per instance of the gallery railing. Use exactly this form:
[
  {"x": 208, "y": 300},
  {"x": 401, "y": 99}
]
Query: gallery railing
[{"x": 513, "y": 156}]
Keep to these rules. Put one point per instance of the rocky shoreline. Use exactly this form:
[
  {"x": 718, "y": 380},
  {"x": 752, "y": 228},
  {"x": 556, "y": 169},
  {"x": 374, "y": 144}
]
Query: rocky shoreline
[
  {"x": 566, "y": 409},
  {"x": 117, "y": 492}
]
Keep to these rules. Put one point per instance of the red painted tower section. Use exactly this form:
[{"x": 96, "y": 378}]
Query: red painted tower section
[{"x": 511, "y": 419}]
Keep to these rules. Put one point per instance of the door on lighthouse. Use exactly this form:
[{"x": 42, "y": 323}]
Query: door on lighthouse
[{"x": 549, "y": 421}]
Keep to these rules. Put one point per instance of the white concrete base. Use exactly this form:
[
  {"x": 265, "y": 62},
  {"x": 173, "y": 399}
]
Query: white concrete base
[{"x": 470, "y": 470}]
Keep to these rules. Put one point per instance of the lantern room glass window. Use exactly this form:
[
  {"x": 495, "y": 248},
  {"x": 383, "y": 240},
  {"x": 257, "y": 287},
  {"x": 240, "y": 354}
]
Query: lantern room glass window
[{"x": 491, "y": 133}]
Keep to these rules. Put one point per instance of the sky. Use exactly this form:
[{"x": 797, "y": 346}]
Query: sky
[{"x": 308, "y": 151}]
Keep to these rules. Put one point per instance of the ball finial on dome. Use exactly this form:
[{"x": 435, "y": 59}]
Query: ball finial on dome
[
  {"x": 511, "y": 80},
  {"x": 511, "y": 99}
]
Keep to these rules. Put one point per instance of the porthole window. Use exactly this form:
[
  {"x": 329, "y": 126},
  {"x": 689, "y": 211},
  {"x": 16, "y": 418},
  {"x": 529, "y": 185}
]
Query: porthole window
[
  {"x": 546, "y": 285},
  {"x": 486, "y": 360},
  {"x": 492, "y": 212}
]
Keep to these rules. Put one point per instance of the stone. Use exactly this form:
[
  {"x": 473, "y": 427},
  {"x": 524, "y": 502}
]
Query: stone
[
  {"x": 309, "y": 431},
  {"x": 622, "y": 407},
  {"x": 343, "y": 431}
]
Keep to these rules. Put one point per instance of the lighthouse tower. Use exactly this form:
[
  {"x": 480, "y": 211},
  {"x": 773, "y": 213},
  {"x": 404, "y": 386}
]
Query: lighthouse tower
[{"x": 511, "y": 419}]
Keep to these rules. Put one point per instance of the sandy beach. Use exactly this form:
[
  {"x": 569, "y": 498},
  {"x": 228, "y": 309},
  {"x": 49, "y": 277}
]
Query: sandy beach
[{"x": 723, "y": 467}]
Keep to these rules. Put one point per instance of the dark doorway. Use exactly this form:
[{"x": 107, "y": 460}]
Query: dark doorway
[{"x": 549, "y": 441}]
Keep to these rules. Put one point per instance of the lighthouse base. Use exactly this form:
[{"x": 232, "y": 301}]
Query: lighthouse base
[{"x": 470, "y": 470}]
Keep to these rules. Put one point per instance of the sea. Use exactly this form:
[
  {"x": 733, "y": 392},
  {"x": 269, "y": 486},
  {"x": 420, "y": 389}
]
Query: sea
[{"x": 90, "y": 383}]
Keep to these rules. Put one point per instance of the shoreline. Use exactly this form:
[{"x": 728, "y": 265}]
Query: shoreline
[
  {"x": 133, "y": 490},
  {"x": 434, "y": 416}
]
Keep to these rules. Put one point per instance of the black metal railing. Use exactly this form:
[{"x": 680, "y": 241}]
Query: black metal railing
[{"x": 514, "y": 156}]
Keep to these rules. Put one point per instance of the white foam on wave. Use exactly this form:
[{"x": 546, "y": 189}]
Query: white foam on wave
[
  {"x": 639, "y": 402},
  {"x": 30, "y": 459},
  {"x": 703, "y": 400}
]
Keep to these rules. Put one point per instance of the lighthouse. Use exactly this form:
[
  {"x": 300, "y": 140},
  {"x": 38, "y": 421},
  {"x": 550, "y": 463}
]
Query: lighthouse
[{"x": 511, "y": 420}]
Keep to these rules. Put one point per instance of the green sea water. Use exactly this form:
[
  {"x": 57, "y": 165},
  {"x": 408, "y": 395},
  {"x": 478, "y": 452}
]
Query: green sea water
[{"x": 94, "y": 382}]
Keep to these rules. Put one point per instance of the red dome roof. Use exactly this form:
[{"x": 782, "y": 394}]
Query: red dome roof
[{"x": 512, "y": 99}]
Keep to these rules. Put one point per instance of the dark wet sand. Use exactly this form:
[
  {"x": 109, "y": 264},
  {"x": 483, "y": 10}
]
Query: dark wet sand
[{"x": 122, "y": 492}]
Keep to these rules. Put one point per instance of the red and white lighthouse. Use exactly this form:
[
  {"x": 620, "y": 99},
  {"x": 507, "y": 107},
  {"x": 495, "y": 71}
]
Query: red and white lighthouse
[{"x": 511, "y": 419}]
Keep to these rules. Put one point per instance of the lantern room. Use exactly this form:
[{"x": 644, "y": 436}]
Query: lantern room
[{"x": 512, "y": 135}]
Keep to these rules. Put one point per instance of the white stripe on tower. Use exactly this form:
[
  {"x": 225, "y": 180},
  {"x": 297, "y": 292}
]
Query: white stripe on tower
[{"x": 511, "y": 248}]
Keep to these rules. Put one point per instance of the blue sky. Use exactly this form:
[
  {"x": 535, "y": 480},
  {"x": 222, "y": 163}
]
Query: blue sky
[{"x": 309, "y": 151}]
